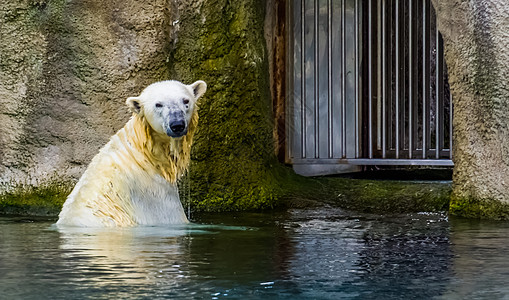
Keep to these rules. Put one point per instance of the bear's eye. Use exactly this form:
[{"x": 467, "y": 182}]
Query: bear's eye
[
  {"x": 185, "y": 101},
  {"x": 159, "y": 105}
]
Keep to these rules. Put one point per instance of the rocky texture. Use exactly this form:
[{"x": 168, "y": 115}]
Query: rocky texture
[
  {"x": 66, "y": 68},
  {"x": 477, "y": 55},
  {"x": 233, "y": 163}
]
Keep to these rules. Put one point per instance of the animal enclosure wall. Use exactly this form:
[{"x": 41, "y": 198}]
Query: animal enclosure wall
[{"x": 367, "y": 85}]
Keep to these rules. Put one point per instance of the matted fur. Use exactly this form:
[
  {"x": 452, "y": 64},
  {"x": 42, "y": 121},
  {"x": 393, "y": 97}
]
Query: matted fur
[{"x": 154, "y": 147}]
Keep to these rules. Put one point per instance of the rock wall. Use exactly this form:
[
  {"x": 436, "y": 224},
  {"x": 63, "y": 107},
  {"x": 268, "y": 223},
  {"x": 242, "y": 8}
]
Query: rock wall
[
  {"x": 66, "y": 68},
  {"x": 233, "y": 162},
  {"x": 477, "y": 55}
]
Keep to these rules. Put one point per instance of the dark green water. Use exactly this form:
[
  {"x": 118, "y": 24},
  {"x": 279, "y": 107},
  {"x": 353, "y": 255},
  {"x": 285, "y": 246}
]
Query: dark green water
[{"x": 301, "y": 254}]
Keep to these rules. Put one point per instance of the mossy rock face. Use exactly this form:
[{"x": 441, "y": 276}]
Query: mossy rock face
[
  {"x": 41, "y": 200},
  {"x": 66, "y": 68},
  {"x": 479, "y": 208},
  {"x": 82, "y": 59},
  {"x": 233, "y": 157},
  {"x": 475, "y": 44},
  {"x": 370, "y": 196}
]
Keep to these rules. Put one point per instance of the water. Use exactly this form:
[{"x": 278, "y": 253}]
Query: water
[{"x": 325, "y": 253}]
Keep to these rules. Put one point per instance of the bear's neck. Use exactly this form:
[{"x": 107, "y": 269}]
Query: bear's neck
[{"x": 169, "y": 157}]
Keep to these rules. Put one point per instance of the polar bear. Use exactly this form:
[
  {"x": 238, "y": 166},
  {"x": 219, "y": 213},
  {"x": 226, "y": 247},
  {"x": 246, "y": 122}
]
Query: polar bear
[{"x": 132, "y": 180}]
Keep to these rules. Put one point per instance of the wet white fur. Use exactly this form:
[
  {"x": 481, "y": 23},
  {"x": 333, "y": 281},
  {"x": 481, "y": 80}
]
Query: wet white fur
[{"x": 132, "y": 180}]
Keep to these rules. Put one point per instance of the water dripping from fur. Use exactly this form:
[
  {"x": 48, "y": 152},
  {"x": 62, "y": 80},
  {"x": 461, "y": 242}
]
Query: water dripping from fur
[{"x": 185, "y": 193}]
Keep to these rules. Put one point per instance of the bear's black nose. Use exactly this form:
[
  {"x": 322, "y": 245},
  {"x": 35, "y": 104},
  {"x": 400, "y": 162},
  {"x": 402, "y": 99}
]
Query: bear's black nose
[{"x": 178, "y": 126}]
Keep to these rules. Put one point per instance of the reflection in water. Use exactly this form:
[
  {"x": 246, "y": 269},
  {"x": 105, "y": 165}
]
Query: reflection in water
[
  {"x": 343, "y": 255},
  {"x": 134, "y": 260},
  {"x": 303, "y": 254},
  {"x": 168, "y": 262},
  {"x": 481, "y": 260}
]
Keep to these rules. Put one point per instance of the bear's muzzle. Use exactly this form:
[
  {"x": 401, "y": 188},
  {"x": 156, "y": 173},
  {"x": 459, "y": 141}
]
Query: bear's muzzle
[{"x": 177, "y": 128}]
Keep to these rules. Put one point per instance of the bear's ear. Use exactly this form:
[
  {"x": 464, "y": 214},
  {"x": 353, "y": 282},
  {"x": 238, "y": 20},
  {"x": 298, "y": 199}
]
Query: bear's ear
[
  {"x": 199, "y": 88},
  {"x": 134, "y": 104}
]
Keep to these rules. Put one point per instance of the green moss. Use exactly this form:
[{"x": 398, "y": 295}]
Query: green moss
[
  {"x": 373, "y": 196},
  {"x": 479, "y": 208},
  {"x": 28, "y": 55},
  {"x": 44, "y": 200},
  {"x": 47, "y": 15},
  {"x": 233, "y": 162}
]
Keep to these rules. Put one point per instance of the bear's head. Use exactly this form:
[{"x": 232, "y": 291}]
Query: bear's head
[{"x": 168, "y": 106}]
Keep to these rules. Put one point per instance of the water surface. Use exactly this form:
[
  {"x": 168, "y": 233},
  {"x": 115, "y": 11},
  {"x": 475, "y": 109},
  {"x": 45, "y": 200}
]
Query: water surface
[{"x": 326, "y": 253}]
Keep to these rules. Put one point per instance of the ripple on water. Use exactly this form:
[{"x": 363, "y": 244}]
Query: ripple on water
[{"x": 325, "y": 253}]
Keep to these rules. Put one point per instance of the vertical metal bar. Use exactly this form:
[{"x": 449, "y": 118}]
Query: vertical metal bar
[
  {"x": 417, "y": 80},
  {"x": 451, "y": 107},
  {"x": 370, "y": 79},
  {"x": 440, "y": 53},
  {"x": 316, "y": 81},
  {"x": 289, "y": 80},
  {"x": 379, "y": 75},
  {"x": 389, "y": 72},
  {"x": 384, "y": 79},
  {"x": 343, "y": 82},
  {"x": 410, "y": 78},
  {"x": 303, "y": 80},
  {"x": 403, "y": 137},
  {"x": 397, "y": 58},
  {"x": 329, "y": 82},
  {"x": 425, "y": 79},
  {"x": 357, "y": 85},
  {"x": 438, "y": 95}
]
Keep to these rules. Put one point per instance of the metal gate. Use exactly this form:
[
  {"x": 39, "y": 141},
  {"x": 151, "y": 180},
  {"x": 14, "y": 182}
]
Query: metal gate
[{"x": 367, "y": 84}]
